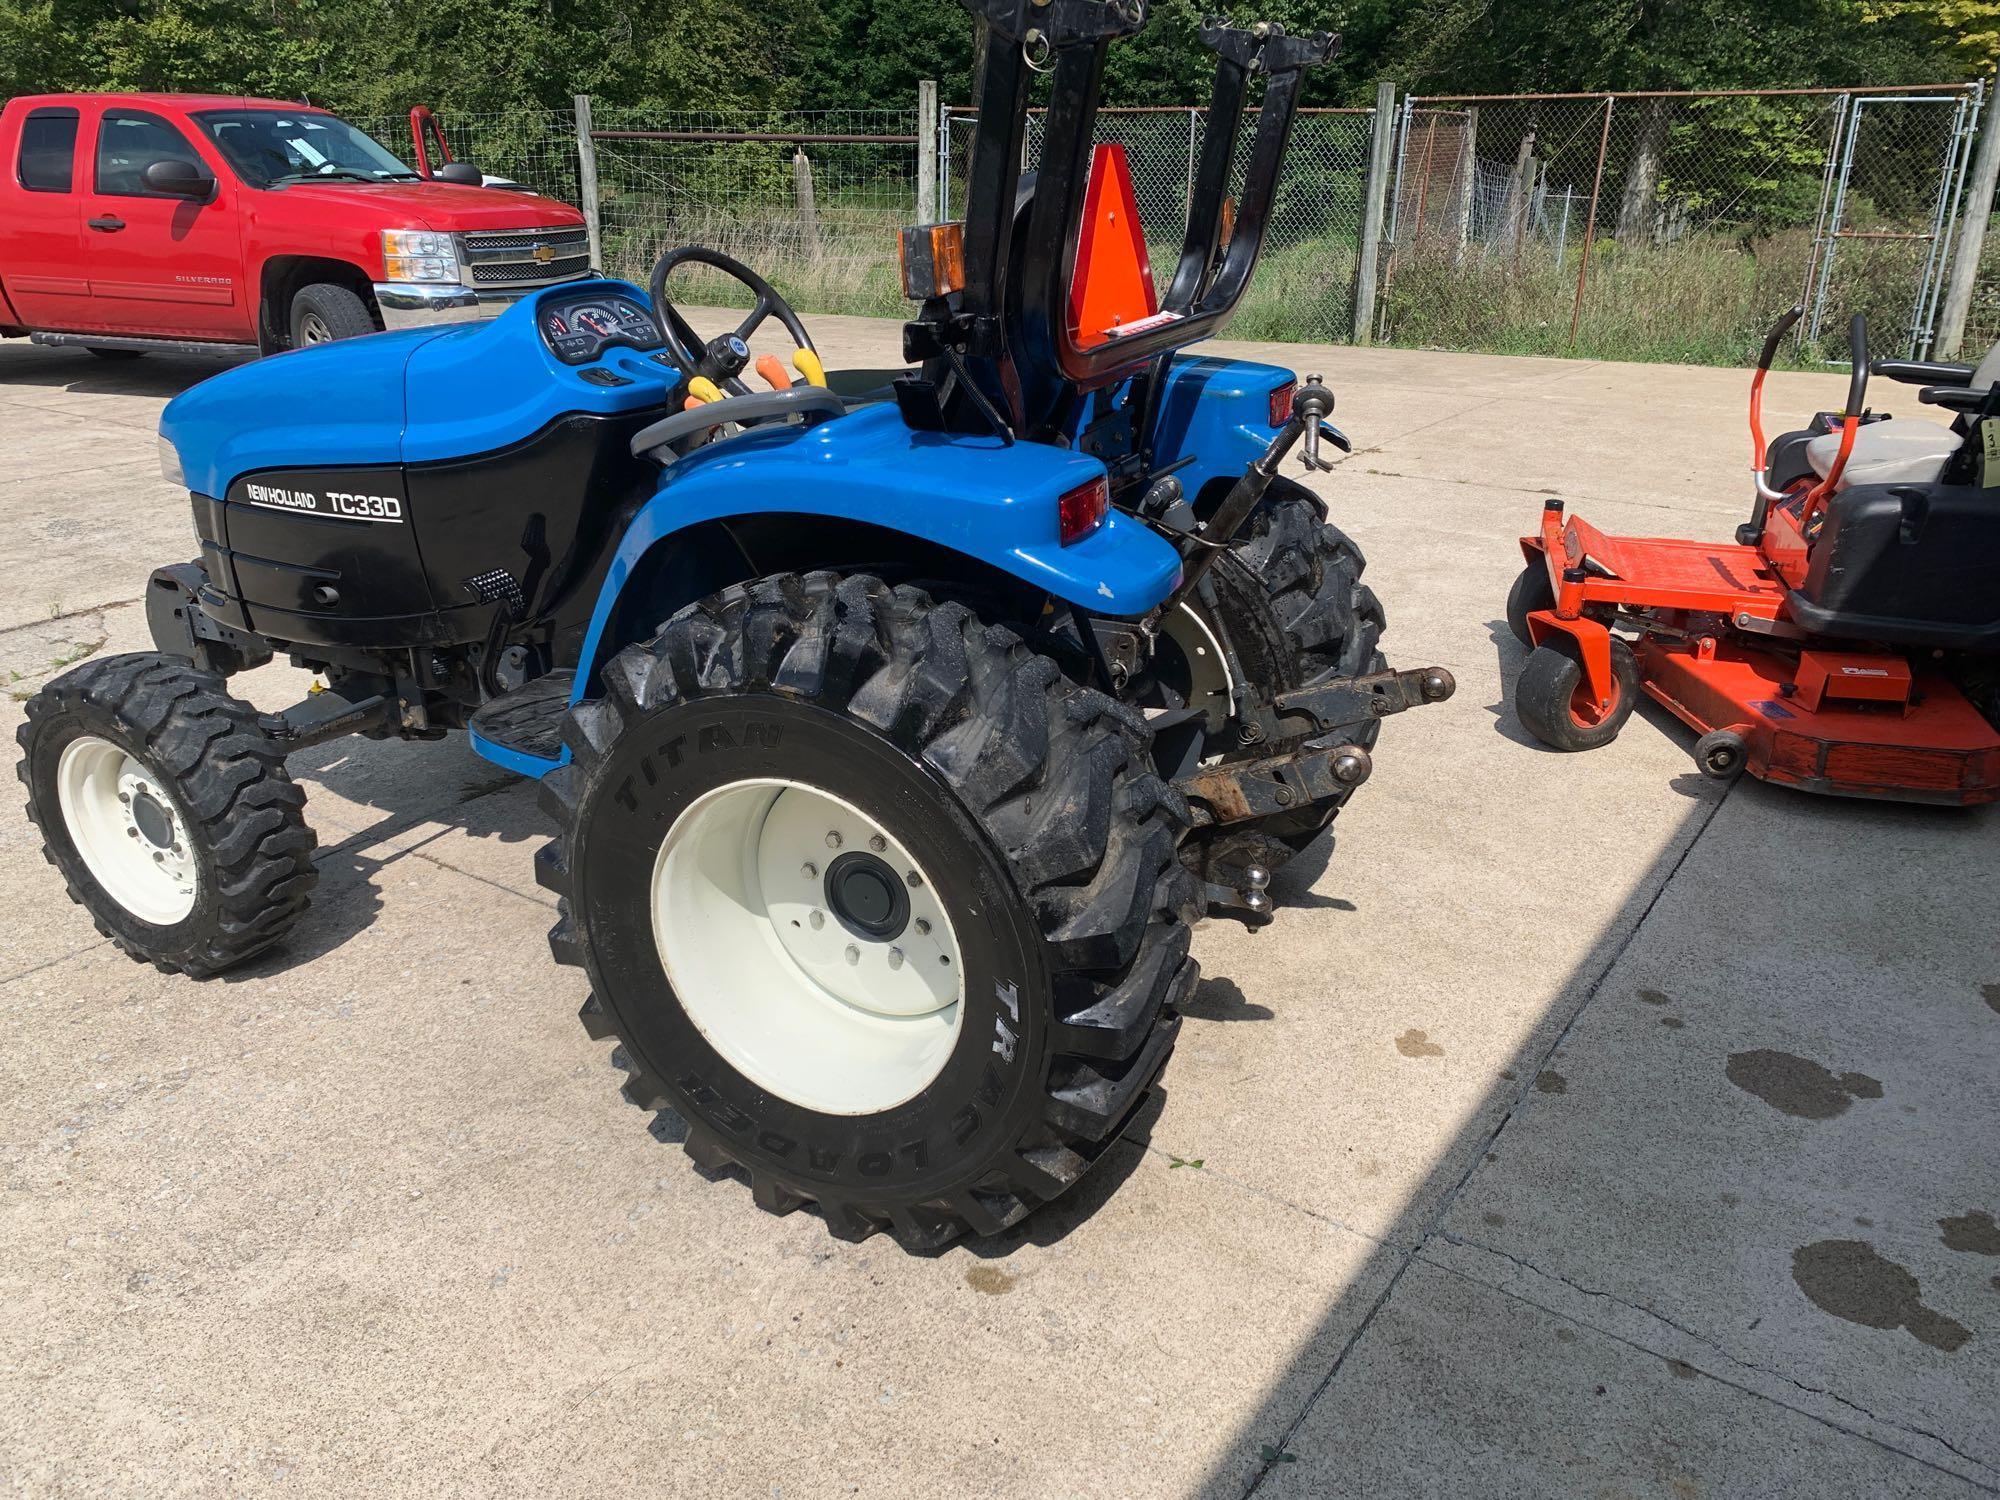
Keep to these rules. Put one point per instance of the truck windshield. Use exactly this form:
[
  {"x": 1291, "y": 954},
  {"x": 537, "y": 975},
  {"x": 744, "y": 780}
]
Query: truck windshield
[{"x": 268, "y": 147}]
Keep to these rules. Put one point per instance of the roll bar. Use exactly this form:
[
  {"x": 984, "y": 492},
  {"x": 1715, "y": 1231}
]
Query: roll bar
[{"x": 1007, "y": 333}]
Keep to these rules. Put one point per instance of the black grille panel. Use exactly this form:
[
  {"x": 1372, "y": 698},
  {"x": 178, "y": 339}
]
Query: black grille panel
[
  {"x": 526, "y": 239},
  {"x": 528, "y": 272}
]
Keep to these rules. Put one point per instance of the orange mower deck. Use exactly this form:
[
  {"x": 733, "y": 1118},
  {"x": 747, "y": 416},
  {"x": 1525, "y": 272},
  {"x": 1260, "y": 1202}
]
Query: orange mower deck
[{"x": 1717, "y": 649}]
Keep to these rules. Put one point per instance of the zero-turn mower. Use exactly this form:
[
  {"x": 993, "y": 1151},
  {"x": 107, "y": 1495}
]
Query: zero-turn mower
[{"x": 1847, "y": 642}]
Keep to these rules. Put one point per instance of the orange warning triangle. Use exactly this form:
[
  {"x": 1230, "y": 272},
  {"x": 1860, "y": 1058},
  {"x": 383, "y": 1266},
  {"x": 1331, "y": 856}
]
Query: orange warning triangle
[{"x": 1113, "y": 283}]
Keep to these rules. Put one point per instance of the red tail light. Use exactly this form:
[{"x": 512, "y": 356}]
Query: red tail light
[
  {"x": 1082, "y": 509},
  {"x": 1281, "y": 403}
]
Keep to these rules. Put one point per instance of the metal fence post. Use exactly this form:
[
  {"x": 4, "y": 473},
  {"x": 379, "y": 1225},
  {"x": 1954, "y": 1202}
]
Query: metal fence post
[
  {"x": 586, "y": 177},
  {"x": 1590, "y": 223},
  {"x": 927, "y": 151},
  {"x": 1382, "y": 130},
  {"x": 1978, "y": 208}
]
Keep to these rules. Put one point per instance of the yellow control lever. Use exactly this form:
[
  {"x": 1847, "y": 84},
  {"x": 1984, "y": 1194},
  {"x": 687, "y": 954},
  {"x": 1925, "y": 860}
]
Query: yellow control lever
[
  {"x": 704, "y": 389},
  {"x": 809, "y": 366},
  {"x": 773, "y": 372}
]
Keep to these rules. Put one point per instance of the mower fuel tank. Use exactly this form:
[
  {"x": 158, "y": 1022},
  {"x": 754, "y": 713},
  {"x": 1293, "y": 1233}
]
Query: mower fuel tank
[{"x": 1911, "y": 564}]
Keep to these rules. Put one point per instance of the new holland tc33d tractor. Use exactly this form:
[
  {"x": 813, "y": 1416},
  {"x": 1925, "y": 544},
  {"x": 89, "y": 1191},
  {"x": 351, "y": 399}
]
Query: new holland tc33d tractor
[{"x": 897, "y": 723}]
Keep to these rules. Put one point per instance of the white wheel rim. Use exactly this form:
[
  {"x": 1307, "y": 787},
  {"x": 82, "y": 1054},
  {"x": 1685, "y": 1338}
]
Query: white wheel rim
[
  {"x": 766, "y": 955},
  {"x": 132, "y": 835}
]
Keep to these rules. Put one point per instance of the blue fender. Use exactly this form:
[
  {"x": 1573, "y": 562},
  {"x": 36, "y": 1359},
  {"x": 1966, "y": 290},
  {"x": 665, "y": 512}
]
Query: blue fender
[
  {"x": 993, "y": 503},
  {"x": 1218, "y": 410}
]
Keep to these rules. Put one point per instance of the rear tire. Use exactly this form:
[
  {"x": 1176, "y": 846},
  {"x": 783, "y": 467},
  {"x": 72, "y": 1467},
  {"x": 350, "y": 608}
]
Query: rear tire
[
  {"x": 324, "y": 312},
  {"x": 1291, "y": 598},
  {"x": 168, "y": 810},
  {"x": 1548, "y": 696},
  {"x": 1032, "y": 822}
]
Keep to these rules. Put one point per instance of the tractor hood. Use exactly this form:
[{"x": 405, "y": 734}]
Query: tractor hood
[{"x": 442, "y": 206}]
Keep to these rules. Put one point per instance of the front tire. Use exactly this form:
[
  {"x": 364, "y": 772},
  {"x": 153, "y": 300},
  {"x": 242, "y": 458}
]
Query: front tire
[
  {"x": 1020, "y": 811},
  {"x": 168, "y": 810},
  {"x": 1553, "y": 706}
]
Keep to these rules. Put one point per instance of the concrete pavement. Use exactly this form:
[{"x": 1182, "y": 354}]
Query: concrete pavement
[{"x": 1580, "y": 1126}]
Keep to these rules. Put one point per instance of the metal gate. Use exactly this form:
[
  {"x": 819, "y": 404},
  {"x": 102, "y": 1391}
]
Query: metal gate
[{"x": 1882, "y": 244}]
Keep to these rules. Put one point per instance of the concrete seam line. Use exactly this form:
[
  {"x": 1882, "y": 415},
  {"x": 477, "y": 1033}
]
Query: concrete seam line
[
  {"x": 68, "y": 614},
  {"x": 1277, "y": 1199},
  {"x": 50, "y": 963},
  {"x": 1450, "y": 1197},
  {"x": 1709, "y": 1343}
]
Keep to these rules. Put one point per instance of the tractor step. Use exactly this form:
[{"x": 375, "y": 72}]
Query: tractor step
[{"x": 527, "y": 721}]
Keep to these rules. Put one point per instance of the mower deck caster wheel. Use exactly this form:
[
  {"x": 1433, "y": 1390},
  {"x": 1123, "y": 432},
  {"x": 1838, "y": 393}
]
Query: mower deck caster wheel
[
  {"x": 1530, "y": 592},
  {"x": 1551, "y": 702},
  {"x": 1720, "y": 754}
]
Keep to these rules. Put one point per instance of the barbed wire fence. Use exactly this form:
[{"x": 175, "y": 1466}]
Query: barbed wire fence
[{"x": 1630, "y": 226}]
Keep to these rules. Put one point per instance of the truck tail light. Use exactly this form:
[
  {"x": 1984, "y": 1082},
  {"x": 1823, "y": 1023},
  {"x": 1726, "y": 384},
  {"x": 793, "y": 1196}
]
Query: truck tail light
[
  {"x": 1082, "y": 510},
  {"x": 1281, "y": 403}
]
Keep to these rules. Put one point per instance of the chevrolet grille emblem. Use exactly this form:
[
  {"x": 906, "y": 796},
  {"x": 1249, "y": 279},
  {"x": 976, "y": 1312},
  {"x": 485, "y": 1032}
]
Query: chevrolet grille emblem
[{"x": 544, "y": 254}]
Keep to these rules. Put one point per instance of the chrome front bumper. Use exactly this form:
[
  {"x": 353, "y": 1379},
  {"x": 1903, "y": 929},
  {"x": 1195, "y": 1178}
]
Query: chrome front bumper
[{"x": 415, "y": 304}]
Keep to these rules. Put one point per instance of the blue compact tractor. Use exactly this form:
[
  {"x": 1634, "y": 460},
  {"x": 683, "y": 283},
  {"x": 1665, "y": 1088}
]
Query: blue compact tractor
[{"x": 897, "y": 723}]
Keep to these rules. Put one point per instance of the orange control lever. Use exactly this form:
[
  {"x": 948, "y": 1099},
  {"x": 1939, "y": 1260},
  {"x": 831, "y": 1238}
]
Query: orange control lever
[{"x": 773, "y": 371}]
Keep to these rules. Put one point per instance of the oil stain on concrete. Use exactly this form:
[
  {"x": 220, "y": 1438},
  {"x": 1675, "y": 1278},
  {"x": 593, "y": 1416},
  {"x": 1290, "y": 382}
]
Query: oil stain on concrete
[
  {"x": 1975, "y": 1233},
  {"x": 1548, "y": 1081},
  {"x": 1415, "y": 1043},
  {"x": 991, "y": 1280},
  {"x": 1848, "y": 1279},
  {"x": 1798, "y": 1086},
  {"x": 1991, "y": 993}
]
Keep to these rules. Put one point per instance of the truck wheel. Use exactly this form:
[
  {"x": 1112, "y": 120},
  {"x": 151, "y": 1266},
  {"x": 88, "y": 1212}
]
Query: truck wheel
[
  {"x": 168, "y": 810},
  {"x": 878, "y": 901},
  {"x": 324, "y": 312},
  {"x": 1551, "y": 704},
  {"x": 1296, "y": 611}
]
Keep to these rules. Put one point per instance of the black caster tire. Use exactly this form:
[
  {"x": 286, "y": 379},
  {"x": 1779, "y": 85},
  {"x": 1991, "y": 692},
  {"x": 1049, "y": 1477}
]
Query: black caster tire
[
  {"x": 1290, "y": 595},
  {"x": 168, "y": 810},
  {"x": 324, "y": 312},
  {"x": 1531, "y": 592},
  {"x": 1548, "y": 693},
  {"x": 882, "y": 904},
  {"x": 1720, "y": 754}
]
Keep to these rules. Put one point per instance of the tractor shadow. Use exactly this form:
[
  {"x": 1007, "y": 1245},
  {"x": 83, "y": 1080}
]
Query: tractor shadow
[{"x": 375, "y": 804}]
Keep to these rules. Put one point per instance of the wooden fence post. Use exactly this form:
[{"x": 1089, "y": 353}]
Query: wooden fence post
[
  {"x": 1590, "y": 223},
  {"x": 586, "y": 181},
  {"x": 1375, "y": 199},
  {"x": 927, "y": 151}
]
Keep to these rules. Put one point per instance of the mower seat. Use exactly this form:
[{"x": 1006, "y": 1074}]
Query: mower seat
[{"x": 1902, "y": 450}]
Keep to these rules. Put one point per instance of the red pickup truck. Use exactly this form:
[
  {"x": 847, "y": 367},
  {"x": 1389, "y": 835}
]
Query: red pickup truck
[{"x": 131, "y": 222}]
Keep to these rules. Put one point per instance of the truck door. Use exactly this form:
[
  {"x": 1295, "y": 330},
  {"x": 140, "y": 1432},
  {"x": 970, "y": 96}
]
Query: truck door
[
  {"x": 43, "y": 268},
  {"x": 160, "y": 263}
]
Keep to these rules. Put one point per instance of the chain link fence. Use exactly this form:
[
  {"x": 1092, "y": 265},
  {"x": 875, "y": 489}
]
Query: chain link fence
[
  {"x": 1304, "y": 287},
  {"x": 1671, "y": 227},
  {"x": 1634, "y": 226}
]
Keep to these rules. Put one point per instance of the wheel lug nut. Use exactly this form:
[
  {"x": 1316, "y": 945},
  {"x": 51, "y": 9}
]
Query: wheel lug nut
[
  {"x": 809, "y": 869},
  {"x": 131, "y": 833},
  {"x": 877, "y": 842},
  {"x": 914, "y": 878},
  {"x": 126, "y": 798},
  {"x": 895, "y": 958},
  {"x": 818, "y": 919},
  {"x": 853, "y": 954},
  {"x": 832, "y": 838},
  {"x": 923, "y": 927}
]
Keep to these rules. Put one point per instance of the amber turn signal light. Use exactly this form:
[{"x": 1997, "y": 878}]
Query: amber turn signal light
[{"x": 932, "y": 257}]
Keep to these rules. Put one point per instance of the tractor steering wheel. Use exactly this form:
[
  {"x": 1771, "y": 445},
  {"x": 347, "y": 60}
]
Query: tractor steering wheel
[{"x": 721, "y": 359}]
